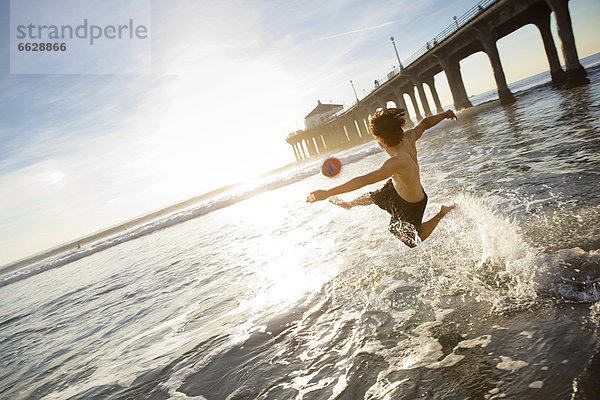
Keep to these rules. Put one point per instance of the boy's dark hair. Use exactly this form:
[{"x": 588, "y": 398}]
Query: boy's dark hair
[{"x": 389, "y": 125}]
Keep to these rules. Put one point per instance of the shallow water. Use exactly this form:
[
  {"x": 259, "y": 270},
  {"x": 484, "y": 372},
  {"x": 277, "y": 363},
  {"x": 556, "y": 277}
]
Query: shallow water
[{"x": 273, "y": 298}]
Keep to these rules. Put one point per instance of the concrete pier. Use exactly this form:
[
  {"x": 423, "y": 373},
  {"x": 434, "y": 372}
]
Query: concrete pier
[
  {"x": 451, "y": 67},
  {"x": 413, "y": 100},
  {"x": 399, "y": 100},
  {"x": 576, "y": 75},
  {"x": 478, "y": 30},
  {"x": 489, "y": 46},
  {"x": 436, "y": 99},
  {"x": 423, "y": 99},
  {"x": 542, "y": 22}
]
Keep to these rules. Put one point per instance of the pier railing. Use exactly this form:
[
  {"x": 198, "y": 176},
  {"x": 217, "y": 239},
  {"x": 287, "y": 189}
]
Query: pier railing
[
  {"x": 446, "y": 33},
  {"x": 440, "y": 37},
  {"x": 443, "y": 35}
]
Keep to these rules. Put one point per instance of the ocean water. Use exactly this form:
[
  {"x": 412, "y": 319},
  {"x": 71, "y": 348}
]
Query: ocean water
[{"x": 256, "y": 294}]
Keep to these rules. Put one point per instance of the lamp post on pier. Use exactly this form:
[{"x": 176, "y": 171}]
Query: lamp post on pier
[
  {"x": 397, "y": 56},
  {"x": 352, "y": 84}
]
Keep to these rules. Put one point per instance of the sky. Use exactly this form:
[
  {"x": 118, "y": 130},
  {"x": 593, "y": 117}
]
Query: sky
[{"x": 229, "y": 80}]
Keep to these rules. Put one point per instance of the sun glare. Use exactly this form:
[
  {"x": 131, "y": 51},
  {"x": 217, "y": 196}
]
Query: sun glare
[
  {"x": 282, "y": 270},
  {"x": 221, "y": 126}
]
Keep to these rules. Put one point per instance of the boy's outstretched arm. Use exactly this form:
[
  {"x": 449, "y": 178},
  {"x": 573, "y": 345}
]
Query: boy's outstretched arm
[
  {"x": 389, "y": 168},
  {"x": 430, "y": 122}
]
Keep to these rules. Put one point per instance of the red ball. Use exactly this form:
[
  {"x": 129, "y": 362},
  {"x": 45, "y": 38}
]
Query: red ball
[{"x": 331, "y": 167}]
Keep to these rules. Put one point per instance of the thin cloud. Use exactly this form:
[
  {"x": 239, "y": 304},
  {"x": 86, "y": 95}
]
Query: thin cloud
[{"x": 369, "y": 28}]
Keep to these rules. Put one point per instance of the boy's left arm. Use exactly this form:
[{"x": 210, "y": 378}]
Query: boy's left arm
[{"x": 430, "y": 122}]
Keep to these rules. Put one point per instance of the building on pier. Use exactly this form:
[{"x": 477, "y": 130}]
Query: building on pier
[{"x": 320, "y": 114}]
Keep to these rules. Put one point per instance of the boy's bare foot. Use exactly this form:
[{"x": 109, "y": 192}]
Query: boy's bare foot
[
  {"x": 428, "y": 226},
  {"x": 339, "y": 202},
  {"x": 446, "y": 209}
]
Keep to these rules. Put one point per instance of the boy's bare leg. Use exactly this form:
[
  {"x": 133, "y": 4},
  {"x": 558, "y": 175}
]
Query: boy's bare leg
[
  {"x": 428, "y": 226},
  {"x": 363, "y": 200}
]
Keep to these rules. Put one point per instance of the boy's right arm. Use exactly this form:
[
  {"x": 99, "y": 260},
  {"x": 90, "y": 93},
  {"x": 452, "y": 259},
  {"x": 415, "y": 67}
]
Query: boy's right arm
[{"x": 389, "y": 168}]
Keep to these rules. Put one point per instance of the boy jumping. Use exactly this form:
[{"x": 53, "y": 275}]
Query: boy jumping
[{"x": 402, "y": 195}]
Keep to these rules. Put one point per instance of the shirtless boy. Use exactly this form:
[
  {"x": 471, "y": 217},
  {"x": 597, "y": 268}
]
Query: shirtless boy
[{"x": 402, "y": 195}]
